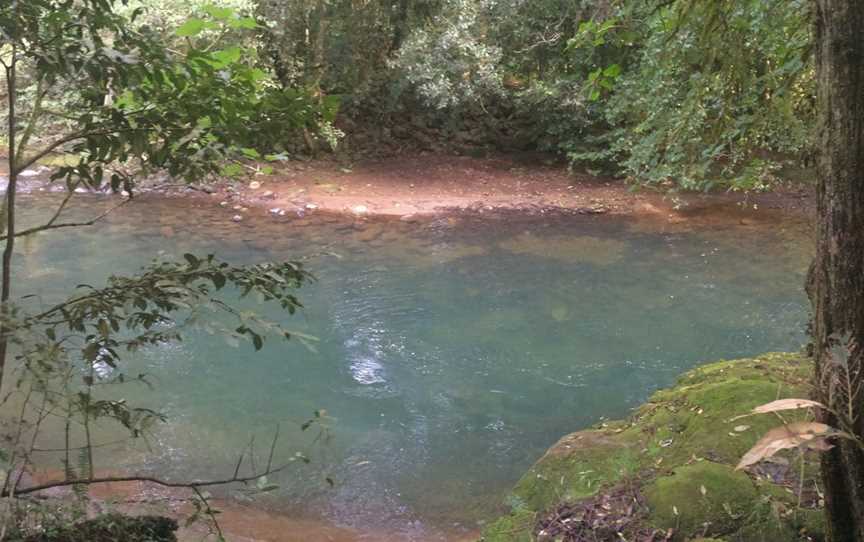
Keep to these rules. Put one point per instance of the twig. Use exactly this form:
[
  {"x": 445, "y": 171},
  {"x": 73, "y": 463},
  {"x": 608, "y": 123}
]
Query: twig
[
  {"x": 50, "y": 225},
  {"x": 143, "y": 478},
  {"x": 209, "y": 512}
]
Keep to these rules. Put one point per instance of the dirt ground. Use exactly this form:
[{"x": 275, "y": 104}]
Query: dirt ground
[
  {"x": 428, "y": 184},
  {"x": 424, "y": 184}
]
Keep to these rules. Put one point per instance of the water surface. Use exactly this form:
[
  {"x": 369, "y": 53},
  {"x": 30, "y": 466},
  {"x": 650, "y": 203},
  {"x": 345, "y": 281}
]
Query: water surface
[{"x": 452, "y": 351}]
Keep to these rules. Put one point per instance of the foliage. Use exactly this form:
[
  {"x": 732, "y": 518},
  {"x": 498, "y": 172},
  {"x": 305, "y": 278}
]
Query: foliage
[
  {"x": 683, "y": 94},
  {"x": 678, "y": 94},
  {"x": 130, "y": 97},
  {"x": 133, "y": 102},
  {"x": 714, "y": 89},
  {"x": 69, "y": 354},
  {"x": 113, "y": 527},
  {"x": 449, "y": 63}
]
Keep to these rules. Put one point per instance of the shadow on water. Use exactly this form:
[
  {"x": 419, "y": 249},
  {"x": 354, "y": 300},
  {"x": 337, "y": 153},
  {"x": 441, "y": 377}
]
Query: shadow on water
[{"x": 453, "y": 350}]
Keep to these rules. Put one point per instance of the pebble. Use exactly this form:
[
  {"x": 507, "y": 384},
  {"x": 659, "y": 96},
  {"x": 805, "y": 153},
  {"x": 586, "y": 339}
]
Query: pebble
[
  {"x": 268, "y": 195},
  {"x": 311, "y": 206},
  {"x": 254, "y": 185},
  {"x": 236, "y": 218},
  {"x": 360, "y": 209}
]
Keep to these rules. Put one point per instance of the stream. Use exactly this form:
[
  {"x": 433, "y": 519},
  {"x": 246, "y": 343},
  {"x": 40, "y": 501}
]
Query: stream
[{"x": 451, "y": 353}]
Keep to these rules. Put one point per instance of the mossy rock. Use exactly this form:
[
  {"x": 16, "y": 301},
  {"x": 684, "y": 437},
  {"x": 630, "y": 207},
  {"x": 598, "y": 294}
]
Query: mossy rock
[
  {"x": 696, "y": 418},
  {"x": 518, "y": 526},
  {"x": 578, "y": 466},
  {"x": 112, "y": 528},
  {"x": 691, "y": 430},
  {"x": 810, "y": 523},
  {"x": 703, "y": 497}
]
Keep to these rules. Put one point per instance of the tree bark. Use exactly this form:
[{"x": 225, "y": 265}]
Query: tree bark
[
  {"x": 9, "y": 210},
  {"x": 837, "y": 288}
]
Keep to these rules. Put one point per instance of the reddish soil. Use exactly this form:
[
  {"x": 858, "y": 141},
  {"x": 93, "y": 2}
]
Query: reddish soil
[
  {"x": 426, "y": 184},
  {"x": 239, "y": 522}
]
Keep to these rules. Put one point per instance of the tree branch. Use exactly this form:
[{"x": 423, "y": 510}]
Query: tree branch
[
  {"x": 141, "y": 478},
  {"x": 50, "y": 225}
]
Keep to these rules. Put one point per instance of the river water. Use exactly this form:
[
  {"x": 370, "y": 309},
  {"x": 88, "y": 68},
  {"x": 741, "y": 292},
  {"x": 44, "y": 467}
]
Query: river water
[{"x": 451, "y": 352}]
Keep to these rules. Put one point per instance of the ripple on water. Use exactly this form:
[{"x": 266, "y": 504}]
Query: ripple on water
[{"x": 452, "y": 352}]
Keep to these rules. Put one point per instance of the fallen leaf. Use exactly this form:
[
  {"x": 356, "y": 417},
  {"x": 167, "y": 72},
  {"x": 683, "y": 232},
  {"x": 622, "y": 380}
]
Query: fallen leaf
[
  {"x": 801, "y": 434},
  {"x": 782, "y": 404}
]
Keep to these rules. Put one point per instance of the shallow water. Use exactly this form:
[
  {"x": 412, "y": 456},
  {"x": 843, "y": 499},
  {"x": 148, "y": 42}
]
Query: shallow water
[{"x": 452, "y": 352}]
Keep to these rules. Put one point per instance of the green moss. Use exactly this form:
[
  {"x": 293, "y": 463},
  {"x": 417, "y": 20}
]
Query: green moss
[
  {"x": 702, "y": 497},
  {"x": 691, "y": 430},
  {"x": 516, "y": 527},
  {"x": 578, "y": 466},
  {"x": 810, "y": 523},
  {"x": 696, "y": 417}
]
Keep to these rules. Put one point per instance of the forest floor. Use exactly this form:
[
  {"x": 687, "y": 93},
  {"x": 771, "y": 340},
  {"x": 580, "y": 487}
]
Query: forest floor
[{"x": 431, "y": 184}]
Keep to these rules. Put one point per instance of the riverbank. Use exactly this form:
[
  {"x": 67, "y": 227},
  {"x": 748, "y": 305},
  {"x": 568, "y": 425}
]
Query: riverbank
[
  {"x": 667, "y": 473},
  {"x": 423, "y": 185},
  {"x": 431, "y": 184}
]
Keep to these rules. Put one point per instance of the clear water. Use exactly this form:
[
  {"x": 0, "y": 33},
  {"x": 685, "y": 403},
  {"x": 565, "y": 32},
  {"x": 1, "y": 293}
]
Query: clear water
[{"x": 452, "y": 352}]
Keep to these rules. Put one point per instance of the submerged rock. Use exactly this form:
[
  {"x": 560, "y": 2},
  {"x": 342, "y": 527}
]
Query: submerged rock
[
  {"x": 571, "y": 249},
  {"x": 679, "y": 450}
]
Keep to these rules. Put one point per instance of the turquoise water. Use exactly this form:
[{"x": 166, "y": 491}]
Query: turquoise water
[{"x": 452, "y": 351}]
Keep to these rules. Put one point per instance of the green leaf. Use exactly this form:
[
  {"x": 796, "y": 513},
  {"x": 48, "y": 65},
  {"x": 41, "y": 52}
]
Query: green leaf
[
  {"x": 191, "y": 27},
  {"x": 232, "y": 170},
  {"x": 227, "y": 56},
  {"x": 612, "y": 71},
  {"x": 223, "y": 14},
  {"x": 243, "y": 22}
]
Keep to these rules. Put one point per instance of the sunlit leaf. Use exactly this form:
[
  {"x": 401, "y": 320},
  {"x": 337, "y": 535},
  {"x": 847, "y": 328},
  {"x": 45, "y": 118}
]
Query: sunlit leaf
[{"x": 794, "y": 435}]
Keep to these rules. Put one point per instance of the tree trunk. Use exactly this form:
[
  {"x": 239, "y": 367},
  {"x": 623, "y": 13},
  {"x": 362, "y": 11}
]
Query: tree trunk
[
  {"x": 9, "y": 211},
  {"x": 837, "y": 289}
]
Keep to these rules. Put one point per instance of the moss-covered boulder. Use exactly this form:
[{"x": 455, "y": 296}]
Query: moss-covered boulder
[
  {"x": 518, "y": 526},
  {"x": 578, "y": 466},
  {"x": 683, "y": 442},
  {"x": 703, "y": 497}
]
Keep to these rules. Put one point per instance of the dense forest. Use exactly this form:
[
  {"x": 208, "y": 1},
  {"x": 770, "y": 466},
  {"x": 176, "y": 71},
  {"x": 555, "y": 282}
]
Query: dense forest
[
  {"x": 682, "y": 94},
  {"x": 455, "y": 340}
]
